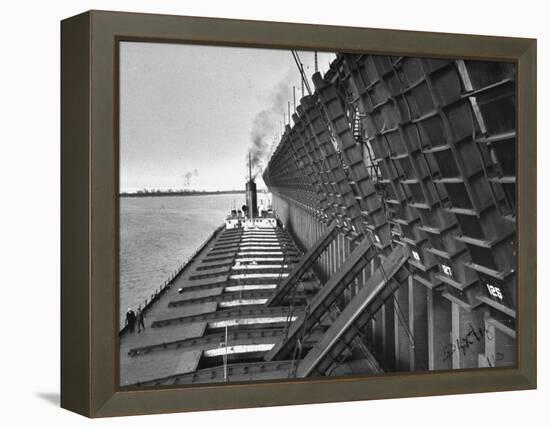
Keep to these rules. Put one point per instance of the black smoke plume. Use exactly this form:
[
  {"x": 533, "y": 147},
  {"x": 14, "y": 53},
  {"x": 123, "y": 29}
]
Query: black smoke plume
[{"x": 265, "y": 125}]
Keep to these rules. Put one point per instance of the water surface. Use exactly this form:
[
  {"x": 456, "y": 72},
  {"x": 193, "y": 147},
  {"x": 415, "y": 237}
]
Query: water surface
[{"x": 159, "y": 233}]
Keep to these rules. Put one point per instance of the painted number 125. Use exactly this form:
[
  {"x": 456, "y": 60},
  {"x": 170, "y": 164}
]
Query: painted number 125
[{"x": 494, "y": 291}]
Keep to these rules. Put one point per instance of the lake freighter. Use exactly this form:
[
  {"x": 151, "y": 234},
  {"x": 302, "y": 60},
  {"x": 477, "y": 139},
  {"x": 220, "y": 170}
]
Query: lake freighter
[
  {"x": 221, "y": 315},
  {"x": 249, "y": 306}
]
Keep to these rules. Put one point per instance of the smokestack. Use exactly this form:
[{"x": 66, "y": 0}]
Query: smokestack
[
  {"x": 251, "y": 194},
  {"x": 251, "y": 199}
]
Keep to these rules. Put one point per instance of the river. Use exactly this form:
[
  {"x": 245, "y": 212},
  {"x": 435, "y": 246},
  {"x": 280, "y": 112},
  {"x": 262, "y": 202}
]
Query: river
[{"x": 159, "y": 233}]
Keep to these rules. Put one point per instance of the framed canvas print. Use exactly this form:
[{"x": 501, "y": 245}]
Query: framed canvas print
[{"x": 262, "y": 213}]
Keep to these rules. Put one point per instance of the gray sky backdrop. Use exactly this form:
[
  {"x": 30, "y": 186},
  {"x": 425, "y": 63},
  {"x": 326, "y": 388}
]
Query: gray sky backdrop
[{"x": 187, "y": 112}]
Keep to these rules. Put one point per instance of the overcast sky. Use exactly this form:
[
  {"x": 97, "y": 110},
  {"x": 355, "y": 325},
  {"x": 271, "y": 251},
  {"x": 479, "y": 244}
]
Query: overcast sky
[{"x": 186, "y": 112}]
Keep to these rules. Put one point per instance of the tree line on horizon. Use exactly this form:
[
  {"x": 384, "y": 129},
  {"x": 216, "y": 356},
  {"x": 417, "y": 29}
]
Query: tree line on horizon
[{"x": 177, "y": 192}]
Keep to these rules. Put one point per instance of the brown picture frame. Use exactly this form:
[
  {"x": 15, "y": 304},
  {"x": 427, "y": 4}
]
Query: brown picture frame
[{"x": 89, "y": 216}]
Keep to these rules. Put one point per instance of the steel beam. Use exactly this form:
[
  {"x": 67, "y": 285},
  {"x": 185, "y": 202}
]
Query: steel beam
[
  {"x": 301, "y": 268},
  {"x": 324, "y": 303},
  {"x": 351, "y": 322}
]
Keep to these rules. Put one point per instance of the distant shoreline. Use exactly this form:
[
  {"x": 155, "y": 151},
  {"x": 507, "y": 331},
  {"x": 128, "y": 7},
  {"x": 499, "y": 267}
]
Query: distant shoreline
[{"x": 182, "y": 193}]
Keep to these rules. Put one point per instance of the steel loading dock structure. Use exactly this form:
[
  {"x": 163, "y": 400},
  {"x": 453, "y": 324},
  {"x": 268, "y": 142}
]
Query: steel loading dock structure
[{"x": 415, "y": 154}]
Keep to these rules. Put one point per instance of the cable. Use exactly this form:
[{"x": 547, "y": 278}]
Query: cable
[
  {"x": 301, "y": 69},
  {"x": 401, "y": 319}
]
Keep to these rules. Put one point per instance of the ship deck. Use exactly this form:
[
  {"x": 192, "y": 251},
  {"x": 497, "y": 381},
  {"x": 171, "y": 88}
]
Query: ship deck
[{"x": 219, "y": 296}]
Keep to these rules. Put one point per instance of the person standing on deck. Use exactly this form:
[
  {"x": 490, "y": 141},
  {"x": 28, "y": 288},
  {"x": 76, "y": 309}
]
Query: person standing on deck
[
  {"x": 140, "y": 317},
  {"x": 130, "y": 320}
]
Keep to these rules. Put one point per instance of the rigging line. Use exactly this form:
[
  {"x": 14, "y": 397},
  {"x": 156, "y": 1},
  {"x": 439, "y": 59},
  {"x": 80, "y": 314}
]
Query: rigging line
[
  {"x": 281, "y": 271},
  {"x": 377, "y": 250},
  {"x": 298, "y": 347},
  {"x": 291, "y": 310},
  {"x": 301, "y": 70},
  {"x": 323, "y": 112},
  {"x": 401, "y": 318},
  {"x": 400, "y": 315}
]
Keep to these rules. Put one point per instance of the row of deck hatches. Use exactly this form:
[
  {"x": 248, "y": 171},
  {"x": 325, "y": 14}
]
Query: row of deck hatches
[{"x": 223, "y": 290}]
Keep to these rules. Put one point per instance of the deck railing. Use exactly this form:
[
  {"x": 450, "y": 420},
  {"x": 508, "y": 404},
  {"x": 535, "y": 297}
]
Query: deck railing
[{"x": 161, "y": 289}]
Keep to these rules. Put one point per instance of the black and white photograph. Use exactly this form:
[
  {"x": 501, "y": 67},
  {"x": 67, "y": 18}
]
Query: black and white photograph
[
  {"x": 244, "y": 214},
  {"x": 289, "y": 214}
]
